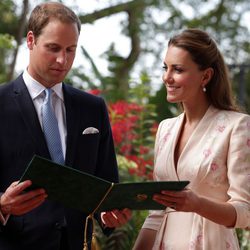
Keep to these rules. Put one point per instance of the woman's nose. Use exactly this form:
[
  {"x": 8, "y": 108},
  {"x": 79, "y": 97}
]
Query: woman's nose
[{"x": 167, "y": 77}]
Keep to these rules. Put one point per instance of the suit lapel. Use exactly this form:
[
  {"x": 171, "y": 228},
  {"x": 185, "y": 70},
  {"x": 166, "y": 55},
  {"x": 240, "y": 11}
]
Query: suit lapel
[
  {"x": 72, "y": 121},
  {"x": 26, "y": 107}
]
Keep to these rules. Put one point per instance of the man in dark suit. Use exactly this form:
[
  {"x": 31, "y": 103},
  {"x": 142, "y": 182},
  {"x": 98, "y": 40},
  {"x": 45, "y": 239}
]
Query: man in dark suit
[{"x": 28, "y": 220}]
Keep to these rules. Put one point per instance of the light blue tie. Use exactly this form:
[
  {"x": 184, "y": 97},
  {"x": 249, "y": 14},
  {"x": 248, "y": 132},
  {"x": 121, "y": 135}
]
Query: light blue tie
[{"x": 51, "y": 130}]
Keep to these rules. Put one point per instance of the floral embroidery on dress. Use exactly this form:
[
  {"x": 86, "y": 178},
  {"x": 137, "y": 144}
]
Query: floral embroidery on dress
[
  {"x": 248, "y": 184},
  {"x": 220, "y": 128},
  {"x": 216, "y": 174},
  {"x": 248, "y": 142},
  {"x": 248, "y": 125},
  {"x": 214, "y": 166},
  {"x": 164, "y": 247},
  {"x": 207, "y": 152},
  {"x": 246, "y": 156},
  {"x": 210, "y": 171},
  {"x": 163, "y": 141},
  {"x": 221, "y": 122},
  {"x": 228, "y": 245},
  {"x": 220, "y": 125},
  {"x": 196, "y": 243}
]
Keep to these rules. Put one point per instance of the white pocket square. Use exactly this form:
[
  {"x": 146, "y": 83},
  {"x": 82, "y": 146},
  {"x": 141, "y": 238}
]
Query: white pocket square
[{"x": 90, "y": 130}]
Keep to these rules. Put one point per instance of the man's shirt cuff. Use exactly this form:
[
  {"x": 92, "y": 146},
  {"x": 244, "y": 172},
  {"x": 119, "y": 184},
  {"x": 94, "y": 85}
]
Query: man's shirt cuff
[{"x": 4, "y": 219}]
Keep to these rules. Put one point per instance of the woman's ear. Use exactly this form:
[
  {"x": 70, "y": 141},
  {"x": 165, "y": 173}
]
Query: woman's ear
[
  {"x": 207, "y": 75},
  {"x": 30, "y": 40}
]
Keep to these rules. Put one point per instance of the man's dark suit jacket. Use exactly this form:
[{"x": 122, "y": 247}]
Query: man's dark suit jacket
[{"x": 21, "y": 137}]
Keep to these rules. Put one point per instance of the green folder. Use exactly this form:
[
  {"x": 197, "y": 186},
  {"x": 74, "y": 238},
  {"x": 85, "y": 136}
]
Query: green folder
[{"x": 88, "y": 193}]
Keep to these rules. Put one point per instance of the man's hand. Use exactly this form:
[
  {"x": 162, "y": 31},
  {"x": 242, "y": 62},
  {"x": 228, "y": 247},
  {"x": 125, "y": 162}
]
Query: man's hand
[
  {"x": 116, "y": 218},
  {"x": 15, "y": 201}
]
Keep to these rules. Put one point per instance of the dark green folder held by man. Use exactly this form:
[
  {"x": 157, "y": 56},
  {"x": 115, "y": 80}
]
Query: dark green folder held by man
[{"x": 89, "y": 193}]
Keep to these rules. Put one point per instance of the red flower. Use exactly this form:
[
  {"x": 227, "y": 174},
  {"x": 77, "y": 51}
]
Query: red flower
[
  {"x": 95, "y": 91},
  {"x": 125, "y": 123}
]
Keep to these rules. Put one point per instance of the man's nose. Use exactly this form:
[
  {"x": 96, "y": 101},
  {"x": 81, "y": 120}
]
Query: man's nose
[{"x": 62, "y": 58}]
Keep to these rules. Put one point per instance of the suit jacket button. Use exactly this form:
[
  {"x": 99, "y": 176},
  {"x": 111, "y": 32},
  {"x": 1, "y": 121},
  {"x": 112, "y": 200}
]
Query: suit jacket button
[{"x": 58, "y": 225}]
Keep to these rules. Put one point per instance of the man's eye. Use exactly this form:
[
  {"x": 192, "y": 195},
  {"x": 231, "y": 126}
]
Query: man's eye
[
  {"x": 54, "y": 49},
  {"x": 71, "y": 50}
]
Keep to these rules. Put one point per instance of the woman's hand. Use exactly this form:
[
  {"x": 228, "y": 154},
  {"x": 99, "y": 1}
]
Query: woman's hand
[
  {"x": 185, "y": 200},
  {"x": 220, "y": 212}
]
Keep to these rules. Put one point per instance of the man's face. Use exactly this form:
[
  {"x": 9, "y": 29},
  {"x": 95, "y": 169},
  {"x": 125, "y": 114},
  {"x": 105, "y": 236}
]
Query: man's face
[{"x": 52, "y": 53}]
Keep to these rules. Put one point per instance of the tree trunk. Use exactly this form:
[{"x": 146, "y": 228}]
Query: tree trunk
[
  {"x": 19, "y": 37},
  {"x": 121, "y": 70}
]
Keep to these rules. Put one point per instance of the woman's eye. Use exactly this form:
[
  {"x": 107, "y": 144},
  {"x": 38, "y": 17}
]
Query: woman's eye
[
  {"x": 178, "y": 70},
  {"x": 165, "y": 67}
]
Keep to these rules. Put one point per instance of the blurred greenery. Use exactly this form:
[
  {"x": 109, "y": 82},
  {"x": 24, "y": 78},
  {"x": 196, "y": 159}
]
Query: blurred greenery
[{"x": 6, "y": 46}]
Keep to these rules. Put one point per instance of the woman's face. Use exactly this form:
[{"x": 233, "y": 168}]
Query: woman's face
[{"x": 182, "y": 77}]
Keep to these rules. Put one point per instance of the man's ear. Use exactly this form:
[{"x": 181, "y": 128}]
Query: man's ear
[
  {"x": 207, "y": 75},
  {"x": 30, "y": 40}
]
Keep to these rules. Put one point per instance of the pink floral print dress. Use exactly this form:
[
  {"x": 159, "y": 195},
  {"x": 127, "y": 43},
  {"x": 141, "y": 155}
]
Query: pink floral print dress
[{"x": 216, "y": 161}]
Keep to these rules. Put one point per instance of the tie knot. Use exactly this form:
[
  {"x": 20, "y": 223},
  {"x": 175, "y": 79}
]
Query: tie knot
[
  {"x": 48, "y": 98},
  {"x": 48, "y": 93}
]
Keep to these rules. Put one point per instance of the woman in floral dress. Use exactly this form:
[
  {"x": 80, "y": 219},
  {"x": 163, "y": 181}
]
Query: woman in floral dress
[{"x": 207, "y": 144}]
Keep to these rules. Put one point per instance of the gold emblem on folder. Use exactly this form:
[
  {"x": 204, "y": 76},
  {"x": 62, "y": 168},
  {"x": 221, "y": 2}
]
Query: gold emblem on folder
[{"x": 141, "y": 197}]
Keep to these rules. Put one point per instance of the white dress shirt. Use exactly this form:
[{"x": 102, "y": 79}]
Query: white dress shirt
[{"x": 36, "y": 91}]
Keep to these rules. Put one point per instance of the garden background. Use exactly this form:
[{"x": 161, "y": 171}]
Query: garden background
[{"x": 124, "y": 66}]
